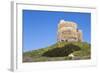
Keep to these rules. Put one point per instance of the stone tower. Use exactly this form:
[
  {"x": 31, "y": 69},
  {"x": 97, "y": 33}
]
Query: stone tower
[{"x": 67, "y": 31}]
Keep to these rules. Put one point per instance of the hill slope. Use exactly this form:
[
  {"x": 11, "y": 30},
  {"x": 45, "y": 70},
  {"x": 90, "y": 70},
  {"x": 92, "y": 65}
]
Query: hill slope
[{"x": 59, "y": 51}]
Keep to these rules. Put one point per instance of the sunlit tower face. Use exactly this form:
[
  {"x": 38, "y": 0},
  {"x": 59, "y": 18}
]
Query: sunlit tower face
[{"x": 67, "y": 31}]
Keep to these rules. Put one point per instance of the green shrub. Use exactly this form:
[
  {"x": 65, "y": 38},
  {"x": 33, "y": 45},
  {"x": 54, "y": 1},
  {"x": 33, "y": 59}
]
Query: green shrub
[{"x": 61, "y": 51}]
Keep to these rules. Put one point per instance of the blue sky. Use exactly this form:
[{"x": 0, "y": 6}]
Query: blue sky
[{"x": 40, "y": 27}]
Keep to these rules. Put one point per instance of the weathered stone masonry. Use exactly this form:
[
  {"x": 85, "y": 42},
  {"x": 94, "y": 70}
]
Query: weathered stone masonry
[{"x": 67, "y": 31}]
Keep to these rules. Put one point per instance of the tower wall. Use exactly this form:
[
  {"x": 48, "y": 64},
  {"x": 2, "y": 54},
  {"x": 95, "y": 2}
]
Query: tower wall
[{"x": 67, "y": 31}]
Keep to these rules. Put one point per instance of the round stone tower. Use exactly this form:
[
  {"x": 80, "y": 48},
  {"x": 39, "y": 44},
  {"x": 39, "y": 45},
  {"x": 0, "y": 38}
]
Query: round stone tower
[{"x": 67, "y": 31}]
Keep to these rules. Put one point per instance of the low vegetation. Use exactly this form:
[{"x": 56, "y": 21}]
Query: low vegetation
[{"x": 59, "y": 51}]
